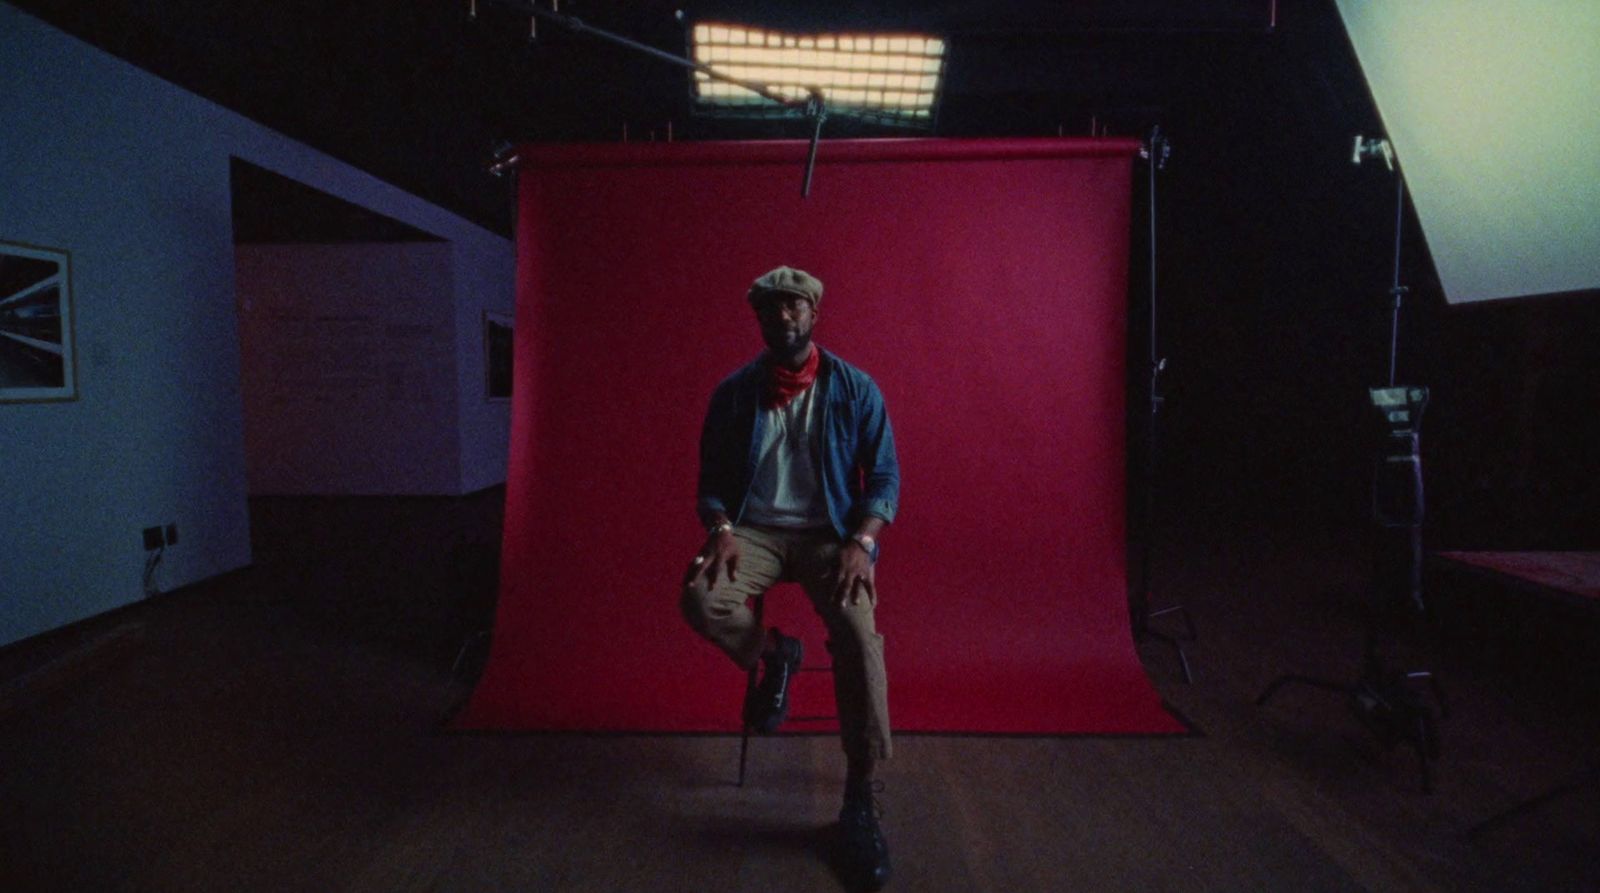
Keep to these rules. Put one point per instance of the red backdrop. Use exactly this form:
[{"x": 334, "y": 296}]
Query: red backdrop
[{"x": 982, "y": 284}]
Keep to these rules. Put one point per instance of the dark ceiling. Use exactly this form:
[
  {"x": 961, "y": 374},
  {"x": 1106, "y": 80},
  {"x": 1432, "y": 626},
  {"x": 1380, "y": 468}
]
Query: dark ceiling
[{"x": 418, "y": 93}]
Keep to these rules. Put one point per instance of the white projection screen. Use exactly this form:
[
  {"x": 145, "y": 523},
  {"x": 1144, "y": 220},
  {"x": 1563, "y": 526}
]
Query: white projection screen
[{"x": 1493, "y": 108}]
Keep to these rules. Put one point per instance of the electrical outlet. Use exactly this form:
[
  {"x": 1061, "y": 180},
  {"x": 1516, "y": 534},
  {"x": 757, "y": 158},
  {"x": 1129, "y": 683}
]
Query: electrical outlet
[
  {"x": 152, "y": 539},
  {"x": 172, "y": 534}
]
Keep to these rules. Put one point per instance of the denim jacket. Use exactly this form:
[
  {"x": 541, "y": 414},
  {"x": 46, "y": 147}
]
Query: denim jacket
[{"x": 860, "y": 475}]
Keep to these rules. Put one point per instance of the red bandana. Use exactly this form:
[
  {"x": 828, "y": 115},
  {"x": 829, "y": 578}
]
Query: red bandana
[{"x": 784, "y": 385}]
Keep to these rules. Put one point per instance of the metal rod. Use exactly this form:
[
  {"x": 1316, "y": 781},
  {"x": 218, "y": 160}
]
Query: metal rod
[
  {"x": 1151, "y": 421},
  {"x": 1396, "y": 291},
  {"x": 1156, "y": 140},
  {"x": 819, "y": 113},
  {"x": 812, "y": 105},
  {"x": 577, "y": 25}
]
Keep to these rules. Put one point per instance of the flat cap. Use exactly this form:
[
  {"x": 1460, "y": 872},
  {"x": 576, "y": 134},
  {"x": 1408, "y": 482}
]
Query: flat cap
[{"x": 788, "y": 280}]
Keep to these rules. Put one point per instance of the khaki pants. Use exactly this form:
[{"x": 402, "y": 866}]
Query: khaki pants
[{"x": 768, "y": 556}]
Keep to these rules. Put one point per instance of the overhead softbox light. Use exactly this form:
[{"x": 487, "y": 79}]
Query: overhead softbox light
[{"x": 887, "y": 78}]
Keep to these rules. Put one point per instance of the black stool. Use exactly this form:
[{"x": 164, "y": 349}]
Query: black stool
[{"x": 758, "y": 605}]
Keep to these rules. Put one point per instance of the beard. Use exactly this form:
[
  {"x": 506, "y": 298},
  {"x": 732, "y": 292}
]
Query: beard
[{"x": 786, "y": 342}]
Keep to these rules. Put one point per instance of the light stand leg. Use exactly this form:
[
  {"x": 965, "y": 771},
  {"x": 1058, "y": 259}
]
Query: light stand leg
[{"x": 472, "y": 640}]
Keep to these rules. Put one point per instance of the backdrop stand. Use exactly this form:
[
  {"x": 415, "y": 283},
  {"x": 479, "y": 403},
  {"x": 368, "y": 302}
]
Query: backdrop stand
[
  {"x": 1155, "y": 151},
  {"x": 590, "y": 437}
]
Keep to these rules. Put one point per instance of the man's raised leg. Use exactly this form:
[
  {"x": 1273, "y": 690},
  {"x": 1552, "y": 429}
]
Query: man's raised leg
[{"x": 719, "y": 609}]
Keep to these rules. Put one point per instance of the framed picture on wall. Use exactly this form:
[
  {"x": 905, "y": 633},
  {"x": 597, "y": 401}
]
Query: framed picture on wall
[
  {"x": 37, "y": 360},
  {"x": 497, "y": 332}
]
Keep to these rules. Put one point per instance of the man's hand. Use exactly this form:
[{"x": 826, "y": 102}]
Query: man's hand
[
  {"x": 855, "y": 575},
  {"x": 719, "y": 555}
]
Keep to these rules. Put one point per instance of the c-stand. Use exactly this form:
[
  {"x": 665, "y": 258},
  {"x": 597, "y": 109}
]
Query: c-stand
[{"x": 1384, "y": 699}]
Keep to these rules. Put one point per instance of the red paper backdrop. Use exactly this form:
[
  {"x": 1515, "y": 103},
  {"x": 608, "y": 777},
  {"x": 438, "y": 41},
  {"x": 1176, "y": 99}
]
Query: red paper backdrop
[{"x": 981, "y": 283}]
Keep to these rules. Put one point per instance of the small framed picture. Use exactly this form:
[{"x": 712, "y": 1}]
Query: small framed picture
[
  {"x": 37, "y": 360},
  {"x": 497, "y": 340}
]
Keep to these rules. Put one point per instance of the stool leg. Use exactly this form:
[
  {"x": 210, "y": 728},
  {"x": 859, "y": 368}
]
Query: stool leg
[
  {"x": 744, "y": 740},
  {"x": 758, "y": 606}
]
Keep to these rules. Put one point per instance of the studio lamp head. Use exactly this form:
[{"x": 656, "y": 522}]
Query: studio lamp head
[
  {"x": 1369, "y": 148},
  {"x": 1400, "y": 407}
]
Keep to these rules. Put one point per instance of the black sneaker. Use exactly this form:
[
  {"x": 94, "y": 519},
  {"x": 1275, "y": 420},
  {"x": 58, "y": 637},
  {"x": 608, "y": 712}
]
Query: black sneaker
[
  {"x": 865, "y": 852},
  {"x": 768, "y": 704}
]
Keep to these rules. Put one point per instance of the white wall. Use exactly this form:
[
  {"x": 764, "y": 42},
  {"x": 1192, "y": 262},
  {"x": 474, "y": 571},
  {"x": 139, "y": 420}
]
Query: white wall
[
  {"x": 131, "y": 175},
  {"x": 349, "y": 368},
  {"x": 1491, "y": 108}
]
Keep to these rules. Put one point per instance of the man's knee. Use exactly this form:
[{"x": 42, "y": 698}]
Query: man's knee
[
  {"x": 695, "y": 604},
  {"x": 854, "y": 629}
]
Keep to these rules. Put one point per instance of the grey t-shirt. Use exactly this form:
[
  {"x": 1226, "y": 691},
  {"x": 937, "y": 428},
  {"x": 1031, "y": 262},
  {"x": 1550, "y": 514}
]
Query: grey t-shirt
[{"x": 786, "y": 491}]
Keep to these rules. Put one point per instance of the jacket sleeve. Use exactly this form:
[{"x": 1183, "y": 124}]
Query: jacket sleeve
[
  {"x": 714, "y": 459},
  {"x": 880, "y": 495}
]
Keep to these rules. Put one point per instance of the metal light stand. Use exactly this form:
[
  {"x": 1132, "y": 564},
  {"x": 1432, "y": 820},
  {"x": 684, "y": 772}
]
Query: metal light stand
[
  {"x": 1387, "y": 701},
  {"x": 1156, "y": 151},
  {"x": 812, "y": 107}
]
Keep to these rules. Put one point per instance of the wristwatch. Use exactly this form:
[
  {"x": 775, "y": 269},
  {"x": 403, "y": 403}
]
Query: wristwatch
[
  {"x": 864, "y": 541},
  {"x": 721, "y": 527}
]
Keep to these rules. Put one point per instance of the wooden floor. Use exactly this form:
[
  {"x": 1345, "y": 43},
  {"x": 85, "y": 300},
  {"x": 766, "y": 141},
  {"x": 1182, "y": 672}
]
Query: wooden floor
[{"x": 278, "y": 729}]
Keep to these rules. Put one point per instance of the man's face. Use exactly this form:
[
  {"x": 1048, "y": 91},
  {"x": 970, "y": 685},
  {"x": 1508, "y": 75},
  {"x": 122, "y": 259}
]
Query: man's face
[{"x": 786, "y": 321}]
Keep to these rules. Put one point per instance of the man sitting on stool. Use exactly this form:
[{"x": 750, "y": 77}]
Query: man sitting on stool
[{"x": 797, "y": 479}]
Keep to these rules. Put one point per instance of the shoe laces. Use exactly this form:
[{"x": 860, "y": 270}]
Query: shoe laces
[
  {"x": 783, "y": 654},
  {"x": 864, "y": 803}
]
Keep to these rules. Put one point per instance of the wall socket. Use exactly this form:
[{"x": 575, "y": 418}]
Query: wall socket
[{"x": 156, "y": 537}]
